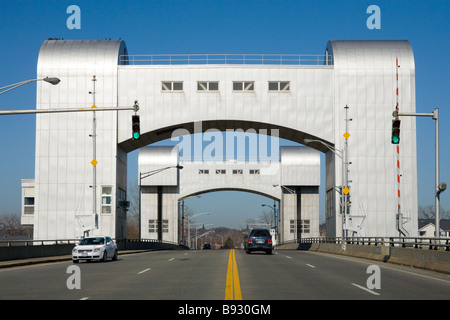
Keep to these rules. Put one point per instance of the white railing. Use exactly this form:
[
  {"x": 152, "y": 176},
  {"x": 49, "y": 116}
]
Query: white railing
[
  {"x": 220, "y": 59},
  {"x": 410, "y": 242}
]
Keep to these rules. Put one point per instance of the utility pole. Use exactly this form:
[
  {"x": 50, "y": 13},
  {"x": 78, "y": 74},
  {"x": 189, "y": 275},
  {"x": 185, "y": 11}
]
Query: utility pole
[
  {"x": 346, "y": 189},
  {"x": 94, "y": 162}
]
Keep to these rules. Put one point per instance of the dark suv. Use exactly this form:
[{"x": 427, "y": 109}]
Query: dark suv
[{"x": 259, "y": 240}]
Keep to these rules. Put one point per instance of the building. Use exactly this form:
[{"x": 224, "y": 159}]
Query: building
[
  {"x": 427, "y": 227},
  {"x": 340, "y": 100}
]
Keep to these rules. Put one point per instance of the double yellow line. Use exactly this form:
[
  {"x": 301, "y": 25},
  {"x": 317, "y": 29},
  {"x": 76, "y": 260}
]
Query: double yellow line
[{"x": 233, "y": 288}]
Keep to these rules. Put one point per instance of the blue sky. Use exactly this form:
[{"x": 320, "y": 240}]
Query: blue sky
[{"x": 221, "y": 26}]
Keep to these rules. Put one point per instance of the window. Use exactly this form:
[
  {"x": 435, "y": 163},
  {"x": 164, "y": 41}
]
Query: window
[
  {"x": 254, "y": 171},
  {"x": 243, "y": 86},
  {"x": 283, "y": 86},
  {"x": 293, "y": 227},
  {"x": 171, "y": 86},
  {"x": 304, "y": 226},
  {"x": 221, "y": 171},
  {"x": 28, "y": 205},
  {"x": 237, "y": 171},
  {"x": 208, "y": 86},
  {"x": 106, "y": 199},
  {"x": 154, "y": 224},
  {"x": 165, "y": 226},
  {"x": 28, "y": 200},
  {"x": 203, "y": 171}
]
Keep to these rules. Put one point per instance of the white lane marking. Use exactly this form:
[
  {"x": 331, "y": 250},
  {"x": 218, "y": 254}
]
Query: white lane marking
[
  {"x": 85, "y": 298},
  {"x": 365, "y": 289},
  {"x": 310, "y": 265},
  {"x": 288, "y": 257},
  {"x": 171, "y": 259},
  {"x": 144, "y": 271},
  {"x": 186, "y": 254}
]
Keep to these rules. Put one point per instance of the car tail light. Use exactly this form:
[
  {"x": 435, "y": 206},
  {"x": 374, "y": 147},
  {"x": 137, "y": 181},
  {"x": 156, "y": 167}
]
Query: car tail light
[
  {"x": 270, "y": 240},
  {"x": 250, "y": 240}
]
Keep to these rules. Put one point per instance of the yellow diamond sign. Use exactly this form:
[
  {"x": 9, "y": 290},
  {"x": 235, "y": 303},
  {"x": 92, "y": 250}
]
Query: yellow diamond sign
[
  {"x": 94, "y": 162},
  {"x": 93, "y": 106},
  {"x": 346, "y": 190},
  {"x": 346, "y": 135}
]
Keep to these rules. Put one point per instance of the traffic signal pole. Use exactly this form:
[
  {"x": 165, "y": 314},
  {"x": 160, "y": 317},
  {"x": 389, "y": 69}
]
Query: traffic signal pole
[
  {"x": 439, "y": 186},
  {"x": 62, "y": 110},
  {"x": 93, "y": 109}
]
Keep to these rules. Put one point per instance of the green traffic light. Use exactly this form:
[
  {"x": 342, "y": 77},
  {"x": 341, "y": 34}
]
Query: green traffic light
[
  {"x": 395, "y": 138},
  {"x": 135, "y": 135}
]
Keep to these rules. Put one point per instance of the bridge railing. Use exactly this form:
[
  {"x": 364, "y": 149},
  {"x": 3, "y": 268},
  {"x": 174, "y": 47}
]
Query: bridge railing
[
  {"x": 411, "y": 242},
  {"x": 231, "y": 59},
  {"x": 24, "y": 249}
]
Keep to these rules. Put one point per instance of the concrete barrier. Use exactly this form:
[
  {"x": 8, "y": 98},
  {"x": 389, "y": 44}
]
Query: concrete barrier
[
  {"x": 34, "y": 251},
  {"x": 436, "y": 260},
  {"x": 17, "y": 252}
]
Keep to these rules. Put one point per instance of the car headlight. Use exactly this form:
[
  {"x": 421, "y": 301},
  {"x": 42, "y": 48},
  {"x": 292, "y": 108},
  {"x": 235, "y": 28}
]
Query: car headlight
[
  {"x": 96, "y": 249},
  {"x": 74, "y": 250}
]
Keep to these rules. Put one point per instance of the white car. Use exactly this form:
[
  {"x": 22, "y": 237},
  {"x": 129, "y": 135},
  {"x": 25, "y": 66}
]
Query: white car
[{"x": 95, "y": 248}]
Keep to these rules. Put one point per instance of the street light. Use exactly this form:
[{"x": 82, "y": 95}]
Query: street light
[
  {"x": 52, "y": 80},
  {"x": 183, "y": 217},
  {"x": 340, "y": 154},
  {"x": 143, "y": 175},
  {"x": 196, "y": 228},
  {"x": 189, "y": 225}
]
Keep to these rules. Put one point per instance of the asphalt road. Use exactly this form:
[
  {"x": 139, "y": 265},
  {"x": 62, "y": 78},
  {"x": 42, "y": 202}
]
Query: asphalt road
[{"x": 210, "y": 275}]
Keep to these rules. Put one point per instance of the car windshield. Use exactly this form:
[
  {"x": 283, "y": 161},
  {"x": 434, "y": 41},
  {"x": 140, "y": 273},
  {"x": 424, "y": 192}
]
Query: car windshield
[
  {"x": 260, "y": 233},
  {"x": 92, "y": 241}
]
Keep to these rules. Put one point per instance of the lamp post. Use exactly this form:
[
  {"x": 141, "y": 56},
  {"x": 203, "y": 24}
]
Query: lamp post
[
  {"x": 183, "y": 216},
  {"x": 189, "y": 225},
  {"x": 143, "y": 175},
  {"x": 291, "y": 191},
  {"x": 344, "y": 205},
  {"x": 52, "y": 80},
  {"x": 199, "y": 237}
]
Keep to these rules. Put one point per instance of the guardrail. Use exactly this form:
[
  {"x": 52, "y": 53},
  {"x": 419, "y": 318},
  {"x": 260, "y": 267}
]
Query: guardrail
[
  {"x": 411, "y": 242},
  {"x": 419, "y": 252},
  {"x": 24, "y": 249},
  {"x": 219, "y": 59}
]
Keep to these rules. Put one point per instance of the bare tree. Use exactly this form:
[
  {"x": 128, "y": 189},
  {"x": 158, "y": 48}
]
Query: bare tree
[
  {"x": 133, "y": 213},
  {"x": 265, "y": 220},
  {"x": 429, "y": 212},
  {"x": 10, "y": 225}
]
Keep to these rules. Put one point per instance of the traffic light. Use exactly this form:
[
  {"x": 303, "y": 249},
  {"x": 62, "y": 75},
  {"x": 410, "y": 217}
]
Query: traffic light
[
  {"x": 135, "y": 123},
  {"x": 395, "y": 139}
]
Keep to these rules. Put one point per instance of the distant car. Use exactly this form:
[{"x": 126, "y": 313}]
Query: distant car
[
  {"x": 259, "y": 240},
  {"x": 206, "y": 246},
  {"x": 95, "y": 248}
]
